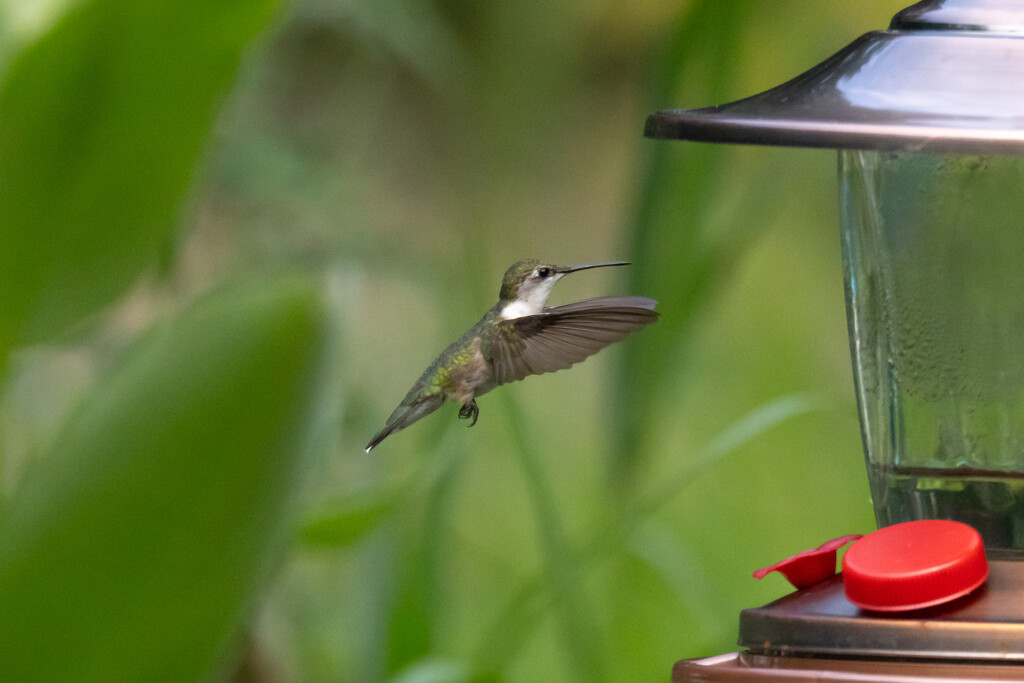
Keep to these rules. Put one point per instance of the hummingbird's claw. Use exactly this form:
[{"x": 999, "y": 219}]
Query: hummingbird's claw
[{"x": 469, "y": 410}]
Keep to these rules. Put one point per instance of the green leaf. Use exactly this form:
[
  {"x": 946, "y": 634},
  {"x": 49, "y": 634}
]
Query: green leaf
[
  {"x": 103, "y": 119},
  {"x": 130, "y": 552}
]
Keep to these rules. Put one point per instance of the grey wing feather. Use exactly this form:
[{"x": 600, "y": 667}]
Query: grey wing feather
[{"x": 562, "y": 336}]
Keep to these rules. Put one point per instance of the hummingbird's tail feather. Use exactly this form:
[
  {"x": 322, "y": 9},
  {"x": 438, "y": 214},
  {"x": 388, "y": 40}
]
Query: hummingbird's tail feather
[{"x": 408, "y": 412}]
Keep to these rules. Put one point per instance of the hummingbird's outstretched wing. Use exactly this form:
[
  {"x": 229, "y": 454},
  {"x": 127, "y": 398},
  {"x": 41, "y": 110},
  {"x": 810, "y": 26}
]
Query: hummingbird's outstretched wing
[
  {"x": 561, "y": 336},
  {"x": 415, "y": 406}
]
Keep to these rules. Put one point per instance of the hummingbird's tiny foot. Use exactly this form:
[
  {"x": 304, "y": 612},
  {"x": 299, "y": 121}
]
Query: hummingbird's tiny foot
[{"x": 469, "y": 410}]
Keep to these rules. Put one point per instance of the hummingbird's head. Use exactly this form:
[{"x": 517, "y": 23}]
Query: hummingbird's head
[{"x": 527, "y": 285}]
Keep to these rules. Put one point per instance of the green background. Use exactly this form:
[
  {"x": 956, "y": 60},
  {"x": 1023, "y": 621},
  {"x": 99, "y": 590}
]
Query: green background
[{"x": 232, "y": 234}]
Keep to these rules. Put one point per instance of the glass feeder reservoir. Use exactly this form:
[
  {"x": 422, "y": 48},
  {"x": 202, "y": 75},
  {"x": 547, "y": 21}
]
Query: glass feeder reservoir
[{"x": 928, "y": 117}]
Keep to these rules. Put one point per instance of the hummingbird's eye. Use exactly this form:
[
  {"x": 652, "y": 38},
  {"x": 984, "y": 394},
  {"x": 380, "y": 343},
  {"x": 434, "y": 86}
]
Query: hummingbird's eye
[{"x": 543, "y": 272}]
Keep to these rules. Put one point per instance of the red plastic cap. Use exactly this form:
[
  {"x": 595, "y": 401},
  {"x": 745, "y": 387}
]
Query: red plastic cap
[{"x": 914, "y": 565}]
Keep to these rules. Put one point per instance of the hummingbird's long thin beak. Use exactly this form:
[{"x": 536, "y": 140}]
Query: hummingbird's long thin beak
[{"x": 585, "y": 266}]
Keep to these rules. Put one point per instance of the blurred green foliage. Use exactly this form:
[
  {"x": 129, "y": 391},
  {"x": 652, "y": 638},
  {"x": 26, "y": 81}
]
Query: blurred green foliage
[
  {"x": 130, "y": 549},
  {"x": 206, "y": 299},
  {"x": 103, "y": 119}
]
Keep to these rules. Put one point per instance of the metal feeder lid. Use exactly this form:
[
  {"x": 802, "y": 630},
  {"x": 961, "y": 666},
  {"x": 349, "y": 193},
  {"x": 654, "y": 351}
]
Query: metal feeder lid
[{"x": 947, "y": 76}]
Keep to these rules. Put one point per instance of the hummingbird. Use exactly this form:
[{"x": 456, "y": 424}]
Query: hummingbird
[{"x": 519, "y": 337}]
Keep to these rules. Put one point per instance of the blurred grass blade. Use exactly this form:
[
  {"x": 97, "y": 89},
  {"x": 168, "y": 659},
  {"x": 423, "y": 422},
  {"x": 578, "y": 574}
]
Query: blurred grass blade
[
  {"x": 430, "y": 670},
  {"x": 677, "y": 263},
  {"x": 434, "y": 671},
  {"x": 521, "y": 615},
  {"x": 691, "y": 580},
  {"x": 737, "y": 435},
  {"x": 418, "y": 598},
  {"x": 345, "y": 522},
  {"x": 579, "y": 634},
  {"x": 102, "y": 120},
  {"x": 131, "y": 550}
]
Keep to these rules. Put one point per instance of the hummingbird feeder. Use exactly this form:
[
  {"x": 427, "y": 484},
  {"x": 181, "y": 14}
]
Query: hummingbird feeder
[{"x": 928, "y": 121}]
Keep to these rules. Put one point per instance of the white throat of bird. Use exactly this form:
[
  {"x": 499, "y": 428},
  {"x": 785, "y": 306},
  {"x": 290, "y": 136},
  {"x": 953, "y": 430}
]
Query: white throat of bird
[{"x": 531, "y": 298}]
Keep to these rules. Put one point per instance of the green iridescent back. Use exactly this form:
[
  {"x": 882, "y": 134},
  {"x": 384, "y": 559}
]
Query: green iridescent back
[{"x": 459, "y": 352}]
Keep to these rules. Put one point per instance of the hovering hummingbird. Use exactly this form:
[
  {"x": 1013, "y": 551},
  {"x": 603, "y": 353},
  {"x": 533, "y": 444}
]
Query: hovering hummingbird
[{"x": 518, "y": 337}]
